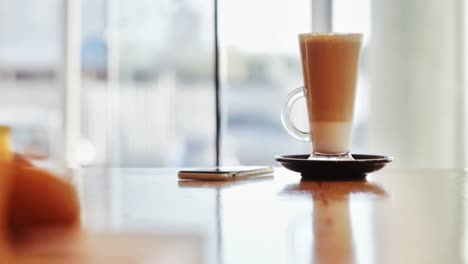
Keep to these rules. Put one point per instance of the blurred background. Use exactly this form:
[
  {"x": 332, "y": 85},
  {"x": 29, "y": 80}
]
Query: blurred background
[{"x": 130, "y": 83}]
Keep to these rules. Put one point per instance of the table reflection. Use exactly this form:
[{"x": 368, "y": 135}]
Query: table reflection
[
  {"x": 217, "y": 186},
  {"x": 414, "y": 216},
  {"x": 332, "y": 230}
]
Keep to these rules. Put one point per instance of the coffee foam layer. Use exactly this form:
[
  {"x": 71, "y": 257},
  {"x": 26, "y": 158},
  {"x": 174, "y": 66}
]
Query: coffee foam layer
[
  {"x": 331, "y": 137},
  {"x": 330, "y": 37}
]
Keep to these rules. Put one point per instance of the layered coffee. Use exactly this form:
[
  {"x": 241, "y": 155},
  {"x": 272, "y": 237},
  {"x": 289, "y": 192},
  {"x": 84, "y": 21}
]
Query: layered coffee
[{"x": 329, "y": 66}]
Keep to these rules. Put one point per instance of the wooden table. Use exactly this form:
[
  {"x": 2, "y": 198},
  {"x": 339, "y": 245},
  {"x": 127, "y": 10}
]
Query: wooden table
[{"x": 414, "y": 216}]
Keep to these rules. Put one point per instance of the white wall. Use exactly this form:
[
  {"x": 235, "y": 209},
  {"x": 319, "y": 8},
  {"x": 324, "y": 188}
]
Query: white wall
[{"x": 416, "y": 87}]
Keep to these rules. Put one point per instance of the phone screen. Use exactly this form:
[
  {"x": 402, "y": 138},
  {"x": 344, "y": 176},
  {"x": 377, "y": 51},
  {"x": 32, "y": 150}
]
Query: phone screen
[
  {"x": 223, "y": 169},
  {"x": 225, "y": 172}
]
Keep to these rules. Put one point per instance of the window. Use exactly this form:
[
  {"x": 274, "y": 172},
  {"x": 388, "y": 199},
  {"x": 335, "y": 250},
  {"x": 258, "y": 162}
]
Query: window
[
  {"x": 30, "y": 76},
  {"x": 147, "y": 95},
  {"x": 262, "y": 65}
]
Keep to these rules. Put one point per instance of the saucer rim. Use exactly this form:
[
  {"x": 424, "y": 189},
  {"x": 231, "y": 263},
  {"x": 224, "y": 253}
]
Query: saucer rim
[{"x": 294, "y": 158}]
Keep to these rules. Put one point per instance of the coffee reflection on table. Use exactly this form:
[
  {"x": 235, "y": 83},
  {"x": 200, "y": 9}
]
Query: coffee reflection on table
[{"x": 332, "y": 232}]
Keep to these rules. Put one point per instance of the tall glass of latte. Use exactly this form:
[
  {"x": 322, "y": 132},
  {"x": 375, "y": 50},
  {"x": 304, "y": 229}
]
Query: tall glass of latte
[{"x": 329, "y": 67}]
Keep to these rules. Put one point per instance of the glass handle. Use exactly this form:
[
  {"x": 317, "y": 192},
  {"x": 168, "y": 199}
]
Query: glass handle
[{"x": 286, "y": 113}]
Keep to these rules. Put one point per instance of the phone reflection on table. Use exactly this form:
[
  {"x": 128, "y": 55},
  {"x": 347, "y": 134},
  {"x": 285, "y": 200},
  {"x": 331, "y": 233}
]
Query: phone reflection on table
[{"x": 218, "y": 186}]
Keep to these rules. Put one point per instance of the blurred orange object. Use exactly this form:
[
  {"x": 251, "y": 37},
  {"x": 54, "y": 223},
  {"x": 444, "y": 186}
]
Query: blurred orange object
[
  {"x": 20, "y": 160},
  {"x": 39, "y": 199},
  {"x": 5, "y": 150},
  {"x": 32, "y": 197}
]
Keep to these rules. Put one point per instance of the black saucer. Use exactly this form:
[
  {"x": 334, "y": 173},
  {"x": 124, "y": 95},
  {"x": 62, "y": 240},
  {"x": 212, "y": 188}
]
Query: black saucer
[{"x": 334, "y": 169}]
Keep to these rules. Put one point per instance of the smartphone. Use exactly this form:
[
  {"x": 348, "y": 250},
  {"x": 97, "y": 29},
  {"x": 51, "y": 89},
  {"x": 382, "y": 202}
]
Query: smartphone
[{"x": 225, "y": 173}]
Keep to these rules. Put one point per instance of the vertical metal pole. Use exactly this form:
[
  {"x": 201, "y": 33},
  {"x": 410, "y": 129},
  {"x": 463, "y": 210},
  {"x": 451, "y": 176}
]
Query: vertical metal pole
[
  {"x": 71, "y": 107},
  {"x": 322, "y": 15},
  {"x": 217, "y": 86}
]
